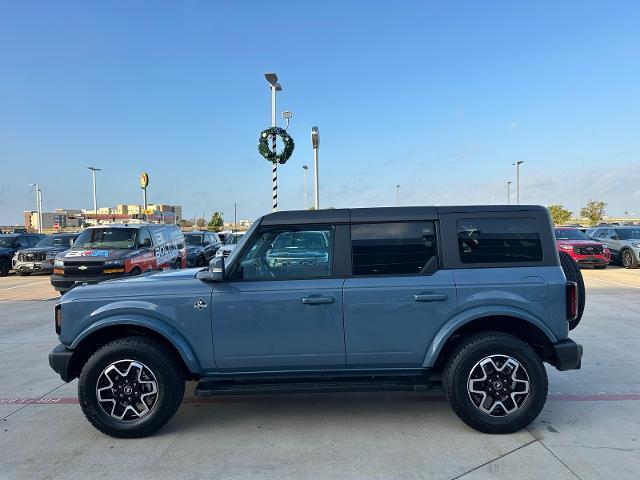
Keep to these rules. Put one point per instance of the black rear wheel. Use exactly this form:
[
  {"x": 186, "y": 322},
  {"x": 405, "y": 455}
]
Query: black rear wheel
[
  {"x": 495, "y": 383},
  {"x": 573, "y": 274}
]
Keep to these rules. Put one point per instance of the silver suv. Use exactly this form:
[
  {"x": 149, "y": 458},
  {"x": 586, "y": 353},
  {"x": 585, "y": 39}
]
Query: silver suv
[{"x": 623, "y": 242}]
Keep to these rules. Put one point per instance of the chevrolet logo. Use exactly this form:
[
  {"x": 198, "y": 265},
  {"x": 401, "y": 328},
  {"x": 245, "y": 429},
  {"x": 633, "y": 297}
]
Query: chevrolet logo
[{"x": 82, "y": 267}]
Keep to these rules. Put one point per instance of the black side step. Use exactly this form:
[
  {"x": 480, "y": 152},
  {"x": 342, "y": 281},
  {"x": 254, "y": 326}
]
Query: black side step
[{"x": 209, "y": 388}]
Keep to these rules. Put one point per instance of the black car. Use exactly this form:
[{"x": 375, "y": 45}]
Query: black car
[
  {"x": 40, "y": 258},
  {"x": 201, "y": 247},
  {"x": 10, "y": 244}
]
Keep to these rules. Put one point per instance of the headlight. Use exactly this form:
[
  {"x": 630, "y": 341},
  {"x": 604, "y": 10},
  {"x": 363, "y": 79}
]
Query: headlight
[
  {"x": 566, "y": 247},
  {"x": 58, "y": 263},
  {"x": 114, "y": 263},
  {"x": 636, "y": 244},
  {"x": 605, "y": 246},
  {"x": 50, "y": 255}
]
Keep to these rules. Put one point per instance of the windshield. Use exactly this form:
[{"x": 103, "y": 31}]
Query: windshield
[
  {"x": 56, "y": 241},
  {"x": 233, "y": 239},
  {"x": 7, "y": 240},
  {"x": 629, "y": 233},
  {"x": 106, "y": 238},
  {"x": 570, "y": 234},
  {"x": 194, "y": 239}
]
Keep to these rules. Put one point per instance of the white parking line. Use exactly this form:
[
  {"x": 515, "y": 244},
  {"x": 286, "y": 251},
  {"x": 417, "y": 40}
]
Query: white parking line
[
  {"x": 615, "y": 283},
  {"x": 23, "y": 285}
]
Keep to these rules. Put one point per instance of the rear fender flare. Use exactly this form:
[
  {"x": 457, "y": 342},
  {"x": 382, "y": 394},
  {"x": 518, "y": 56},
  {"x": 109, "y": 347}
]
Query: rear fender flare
[{"x": 469, "y": 316}]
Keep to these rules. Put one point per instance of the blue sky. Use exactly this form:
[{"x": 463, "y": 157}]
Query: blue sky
[{"x": 439, "y": 97}]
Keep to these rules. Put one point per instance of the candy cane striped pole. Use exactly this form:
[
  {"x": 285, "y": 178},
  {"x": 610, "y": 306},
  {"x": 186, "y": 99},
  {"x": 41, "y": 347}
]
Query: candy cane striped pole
[{"x": 274, "y": 178}]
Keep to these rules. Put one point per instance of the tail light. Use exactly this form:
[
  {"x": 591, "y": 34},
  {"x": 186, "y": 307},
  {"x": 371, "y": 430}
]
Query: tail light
[
  {"x": 572, "y": 301},
  {"x": 58, "y": 318}
]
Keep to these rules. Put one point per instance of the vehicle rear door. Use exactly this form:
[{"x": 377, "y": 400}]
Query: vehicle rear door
[
  {"x": 397, "y": 297},
  {"x": 281, "y": 307}
]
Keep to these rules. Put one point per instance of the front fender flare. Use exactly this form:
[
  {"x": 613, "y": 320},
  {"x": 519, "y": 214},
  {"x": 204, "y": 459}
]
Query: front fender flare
[
  {"x": 472, "y": 314},
  {"x": 161, "y": 328}
]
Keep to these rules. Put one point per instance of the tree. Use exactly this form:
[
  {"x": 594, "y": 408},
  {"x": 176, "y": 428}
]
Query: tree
[
  {"x": 559, "y": 214},
  {"x": 594, "y": 211},
  {"x": 216, "y": 223}
]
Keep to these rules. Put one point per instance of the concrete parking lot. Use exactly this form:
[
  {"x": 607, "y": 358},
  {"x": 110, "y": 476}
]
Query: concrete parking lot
[{"x": 589, "y": 429}]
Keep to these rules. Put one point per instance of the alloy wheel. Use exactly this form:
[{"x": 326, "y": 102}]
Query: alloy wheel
[
  {"x": 498, "y": 385},
  {"x": 127, "y": 390}
]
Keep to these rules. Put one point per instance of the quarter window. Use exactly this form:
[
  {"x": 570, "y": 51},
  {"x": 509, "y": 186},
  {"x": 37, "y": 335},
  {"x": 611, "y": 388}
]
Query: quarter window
[
  {"x": 497, "y": 240},
  {"x": 393, "y": 248},
  {"x": 281, "y": 253}
]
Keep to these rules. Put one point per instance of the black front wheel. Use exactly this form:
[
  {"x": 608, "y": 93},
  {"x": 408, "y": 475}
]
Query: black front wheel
[
  {"x": 495, "y": 383},
  {"x": 130, "y": 387},
  {"x": 5, "y": 266}
]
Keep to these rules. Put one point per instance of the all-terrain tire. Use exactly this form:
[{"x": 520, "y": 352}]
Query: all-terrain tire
[
  {"x": 169, "y": 375},
  {"x": 463, "y": 361},
  {"x": 573, "y": 274}
]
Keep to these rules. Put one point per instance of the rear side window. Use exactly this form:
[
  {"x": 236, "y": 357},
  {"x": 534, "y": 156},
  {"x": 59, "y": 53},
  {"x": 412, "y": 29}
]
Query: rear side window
[
  {"x": 499, "y": 240},
  {"x": 393, "y": 248}
]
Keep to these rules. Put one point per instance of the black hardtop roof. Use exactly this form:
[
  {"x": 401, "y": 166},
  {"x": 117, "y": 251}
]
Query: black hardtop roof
[{"x": 384, "y": 214}]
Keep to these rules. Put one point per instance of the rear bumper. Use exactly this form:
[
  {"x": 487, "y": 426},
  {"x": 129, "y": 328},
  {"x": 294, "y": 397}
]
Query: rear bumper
[
  {"x": 60, "y": 361},
  {"x": 568, "y": 355},
  {"x": 62, "y": 283}
]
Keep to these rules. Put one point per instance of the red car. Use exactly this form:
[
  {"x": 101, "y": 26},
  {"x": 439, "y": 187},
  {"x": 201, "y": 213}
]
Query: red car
[{"x": 582, "y": 249}]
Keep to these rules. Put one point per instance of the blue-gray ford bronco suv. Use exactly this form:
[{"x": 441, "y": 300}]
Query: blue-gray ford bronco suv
[{"x": 471, "y": 298}]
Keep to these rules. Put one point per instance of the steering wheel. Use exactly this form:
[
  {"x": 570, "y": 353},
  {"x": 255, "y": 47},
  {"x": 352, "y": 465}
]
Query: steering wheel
[{"x": 264, "y": 269}]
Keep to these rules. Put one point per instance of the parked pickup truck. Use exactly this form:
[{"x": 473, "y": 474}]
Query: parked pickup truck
[{"x": 471, "y": 298}]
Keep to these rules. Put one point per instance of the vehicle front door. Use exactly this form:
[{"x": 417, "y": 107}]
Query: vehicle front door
[
  {"x": 397, "y": 298},
  {"x": 281, "y": 306}
]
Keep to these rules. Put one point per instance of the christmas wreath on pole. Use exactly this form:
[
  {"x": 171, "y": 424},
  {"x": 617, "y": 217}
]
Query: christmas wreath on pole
[{"x": 266, "y": 152}]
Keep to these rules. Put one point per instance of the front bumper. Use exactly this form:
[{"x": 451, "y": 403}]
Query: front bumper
[
  {"x": 601, "y": 259},
  {"x": 44, "y": 266},
  {"x": 60, "y": 361},
  {"x": 62, "y": 283},
  {"x": 568, "y": 355}
]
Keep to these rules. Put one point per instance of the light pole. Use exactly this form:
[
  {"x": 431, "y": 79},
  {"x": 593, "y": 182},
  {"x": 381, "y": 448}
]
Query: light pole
[
  {"x": 38, "y": 205},
  {"x": 272, "y": 79},
  {"x": 397, "y": 195},
  {"x": 517, "y": 163},
  {"x": 95, "y": 198},
  {"x": 315, "y": 142},
  {"x": 509, "y": 193},
  {"x": 306, "y": 171}
]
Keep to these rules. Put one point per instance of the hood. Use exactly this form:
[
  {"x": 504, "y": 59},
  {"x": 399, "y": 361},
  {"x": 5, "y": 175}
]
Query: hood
[
  {"x": 43, "y": 249},
  {"x": 579, "y": 242},
  {"x": 153, "y": 284},
  {"x": 93, "y": 255}
]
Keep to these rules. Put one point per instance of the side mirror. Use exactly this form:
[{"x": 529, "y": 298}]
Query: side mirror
[{"x": 215, "y": 272}]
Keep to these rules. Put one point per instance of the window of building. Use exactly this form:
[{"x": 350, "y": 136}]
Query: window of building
[
  {"x": 499, "y": 240},
  {"x": 399, "y": 248}
]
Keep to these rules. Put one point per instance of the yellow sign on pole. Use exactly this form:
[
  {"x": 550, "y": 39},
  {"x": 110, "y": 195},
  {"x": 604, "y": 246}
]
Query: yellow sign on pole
[{"x": 144, "y": 180}]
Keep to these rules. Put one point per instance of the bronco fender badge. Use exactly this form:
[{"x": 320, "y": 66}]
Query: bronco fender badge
[{"x": 200, "y": 304}]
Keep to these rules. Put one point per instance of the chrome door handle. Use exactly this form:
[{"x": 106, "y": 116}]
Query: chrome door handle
[
  {"x": 317, "y": 300},
  {"x": 436, "y": 297}
]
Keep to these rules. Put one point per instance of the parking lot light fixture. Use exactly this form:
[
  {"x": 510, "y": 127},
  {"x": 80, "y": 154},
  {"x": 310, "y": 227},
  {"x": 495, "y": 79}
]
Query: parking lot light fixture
[
  {"x": 38, "y": 205},
  {"x": 272, "y": 79},
  {"x": 306, "y": 171},
  {"x": 95, "y": 198},
  {"x": 517, "y": 164},
  {"x": 509, "y": 192}
]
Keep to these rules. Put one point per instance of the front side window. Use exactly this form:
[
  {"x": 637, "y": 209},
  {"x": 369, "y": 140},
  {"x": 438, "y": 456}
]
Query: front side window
[
  {"x": 144, "y": 240},
  {"x": 402, "y": 248},
  {"x": 280, "y": 253},
  {"x": 498, "y": 240}
]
